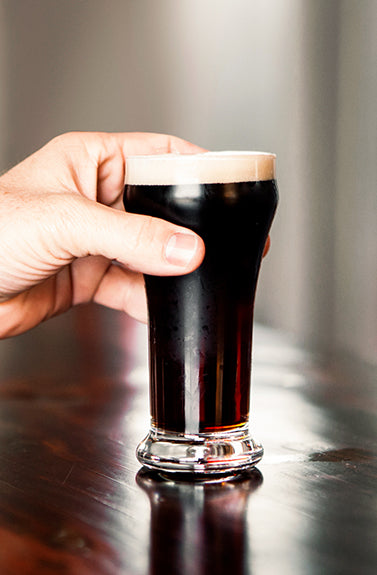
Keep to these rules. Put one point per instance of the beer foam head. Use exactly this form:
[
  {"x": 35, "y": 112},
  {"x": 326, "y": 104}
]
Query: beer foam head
[{"x": 205, "y": 168}]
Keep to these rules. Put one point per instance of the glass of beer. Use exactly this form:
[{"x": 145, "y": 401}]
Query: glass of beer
[{"x": 200, "y": 324}]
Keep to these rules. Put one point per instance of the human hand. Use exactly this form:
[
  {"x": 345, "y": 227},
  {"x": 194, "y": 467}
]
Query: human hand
[{"x": 61, "y": 241}]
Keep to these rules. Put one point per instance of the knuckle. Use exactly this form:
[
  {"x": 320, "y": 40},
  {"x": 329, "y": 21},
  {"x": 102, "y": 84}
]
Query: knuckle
[
  {"x": 64, "y": 139},
  {"x": 66, "y": 136},
  {"x": 147, "y": 235},
  {"x": 59, "y": 217}
]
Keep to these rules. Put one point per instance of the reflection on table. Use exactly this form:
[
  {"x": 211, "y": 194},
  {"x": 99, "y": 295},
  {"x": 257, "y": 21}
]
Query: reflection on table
[{"x": 74, "y": 405}]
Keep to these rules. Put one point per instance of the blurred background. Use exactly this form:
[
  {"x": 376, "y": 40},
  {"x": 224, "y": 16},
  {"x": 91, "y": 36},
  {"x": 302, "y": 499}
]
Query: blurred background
[{"x": 293, "y": 77}]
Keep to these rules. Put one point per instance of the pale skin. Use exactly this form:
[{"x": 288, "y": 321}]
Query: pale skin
[{"x": 65, "y": 238}]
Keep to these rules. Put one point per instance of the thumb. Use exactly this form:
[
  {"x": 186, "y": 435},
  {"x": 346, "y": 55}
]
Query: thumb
[{"x": 142, "y": 243}]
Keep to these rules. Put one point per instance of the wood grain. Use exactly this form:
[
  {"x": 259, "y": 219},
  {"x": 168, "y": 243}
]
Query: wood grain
[{"x": 73, "y": 406}]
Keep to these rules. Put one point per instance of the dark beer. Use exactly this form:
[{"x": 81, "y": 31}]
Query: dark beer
[{"x": 201, "y": 323}]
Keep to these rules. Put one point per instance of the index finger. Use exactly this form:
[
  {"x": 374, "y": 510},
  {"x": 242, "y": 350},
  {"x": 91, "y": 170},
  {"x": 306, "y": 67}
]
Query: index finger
[{"x": 109, "y": 151}]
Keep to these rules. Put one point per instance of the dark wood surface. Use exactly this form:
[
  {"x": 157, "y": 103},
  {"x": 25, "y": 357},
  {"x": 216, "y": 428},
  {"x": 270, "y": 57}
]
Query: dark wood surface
[{"x": 73, "y": 406}]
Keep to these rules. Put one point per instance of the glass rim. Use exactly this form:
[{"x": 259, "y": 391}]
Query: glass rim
[{"x": 205, "y": 167}]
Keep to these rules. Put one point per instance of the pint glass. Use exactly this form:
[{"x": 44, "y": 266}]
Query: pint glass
[{"x": 200, "y": 324}]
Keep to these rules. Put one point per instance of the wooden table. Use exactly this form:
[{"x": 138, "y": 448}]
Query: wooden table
[{"x": 74, "y": 404}]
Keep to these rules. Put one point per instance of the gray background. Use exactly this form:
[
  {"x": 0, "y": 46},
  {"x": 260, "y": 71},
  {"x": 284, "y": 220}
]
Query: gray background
[{"x": 294, "y": 77}]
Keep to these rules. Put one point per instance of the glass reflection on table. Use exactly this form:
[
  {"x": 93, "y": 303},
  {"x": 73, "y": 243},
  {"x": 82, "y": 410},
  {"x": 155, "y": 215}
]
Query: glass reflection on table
[{"x": 199, "y": 527}]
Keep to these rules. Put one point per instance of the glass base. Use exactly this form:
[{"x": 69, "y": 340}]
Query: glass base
[{"x": 223, "y": 453}]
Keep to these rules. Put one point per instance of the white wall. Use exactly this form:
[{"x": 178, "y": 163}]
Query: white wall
[
  {"x": 3, "y": 90},
  {"x": 355, "y": 277}
]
